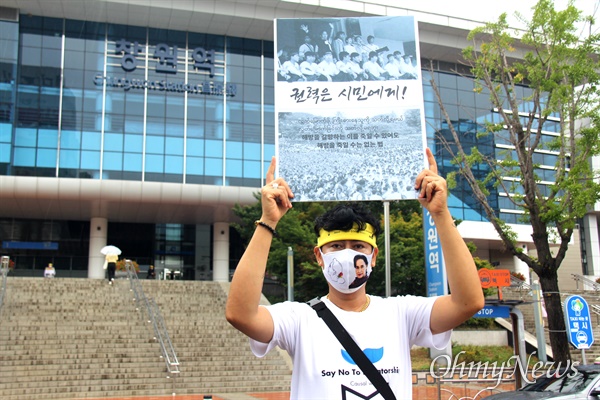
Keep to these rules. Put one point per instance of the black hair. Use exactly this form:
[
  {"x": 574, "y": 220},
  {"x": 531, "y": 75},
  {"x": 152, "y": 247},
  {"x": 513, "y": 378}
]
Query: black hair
[
  {"x": 343, "y": 217},
  {"x": 343, "y": 54},
  {"x": 361, "y": 257}
]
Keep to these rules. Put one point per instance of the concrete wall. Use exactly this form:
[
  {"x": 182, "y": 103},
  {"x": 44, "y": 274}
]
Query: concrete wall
[{"x": 480, "y": 338}]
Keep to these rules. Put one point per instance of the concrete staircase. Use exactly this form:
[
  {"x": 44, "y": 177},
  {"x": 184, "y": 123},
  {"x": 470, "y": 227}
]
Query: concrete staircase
[
  {"x": 213, "y": 356},
  {"x": 82, "y": 338}
]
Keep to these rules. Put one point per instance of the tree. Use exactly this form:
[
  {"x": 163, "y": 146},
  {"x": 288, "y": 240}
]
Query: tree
[{"x": 560, "y": 70}]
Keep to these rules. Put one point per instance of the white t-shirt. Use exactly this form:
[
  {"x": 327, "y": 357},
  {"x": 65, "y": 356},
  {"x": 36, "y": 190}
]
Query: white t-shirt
[{"x": 385, "y": 332}]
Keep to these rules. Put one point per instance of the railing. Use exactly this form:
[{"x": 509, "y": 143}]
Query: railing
[
  {"x": 154, "y": 317},
  {"x": 519, "y": 283},
  {"x": 4, "y": 273},
  {"x": 585, "y": 282}
]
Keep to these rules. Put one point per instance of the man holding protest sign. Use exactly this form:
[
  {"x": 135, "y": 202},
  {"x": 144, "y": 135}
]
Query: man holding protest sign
[{"x": 384, "y": 328}]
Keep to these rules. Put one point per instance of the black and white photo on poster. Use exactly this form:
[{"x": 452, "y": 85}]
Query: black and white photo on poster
[
  {"x": 337, "y": 156},
  {"x": 349, "y": 108},
  {"x": 346, "y": 49}
]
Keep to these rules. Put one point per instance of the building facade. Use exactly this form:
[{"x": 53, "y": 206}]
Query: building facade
[{"x": 141, "y": 125}]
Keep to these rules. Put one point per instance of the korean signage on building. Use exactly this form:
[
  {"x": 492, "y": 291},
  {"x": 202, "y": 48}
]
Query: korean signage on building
[{"x": 164, "y": 60}]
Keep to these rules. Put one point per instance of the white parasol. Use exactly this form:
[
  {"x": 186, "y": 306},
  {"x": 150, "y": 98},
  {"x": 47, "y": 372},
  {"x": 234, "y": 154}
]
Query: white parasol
[{"x": 110, "y": 249}]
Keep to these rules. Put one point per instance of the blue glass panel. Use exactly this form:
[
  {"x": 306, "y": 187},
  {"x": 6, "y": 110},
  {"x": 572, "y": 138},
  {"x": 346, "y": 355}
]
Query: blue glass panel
[
  {"x": 91, "y": 141},
  {"x": 252, "y": 151},
  {"x": 155, "y": 126},
  {"x": 48, "y": 138},
  {"x": 234, "y": 150},
  {"x": 134, "y": 142},
  {"x": 24, "y": 157},
  {"x": 112, "y": 161},
  {"x": 195, "y": 128},
  {"x": 195, "y": 165},
  {"x": 90, "y": 159},
  {"x": 269, "y": 151},
  {"x": 174, "y": 128},
  {"x": 4, "y": 152},
  {"x": 132, "y": 162},
  {"x": 252, "y": 169},
  {"x": 134, "y": 125},
  {"x": 155, "y": 144},
  {"x": 195, "y": 147},
  {"x": 214, "y": 167},
  {"x": 214, "y": 148},
  {"x": 113, "y": 142},
  {"x": 174, "y": 164},
  {"x": 234, "y": 168},
  {"x": 5, "y": 133},
  {"x": 155, "y": 163},
  {"x": 69, "y": 159},
  {"x": 174, "y": 146},
  {"x": 46, "y": 158},
  {"x": 25, "y": 137}
]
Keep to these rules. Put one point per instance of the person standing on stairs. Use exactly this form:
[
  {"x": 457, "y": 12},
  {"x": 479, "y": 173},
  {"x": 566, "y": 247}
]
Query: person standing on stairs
[
  {"x": 110, "y": 264},
  {"x": 384, "y": 328}
]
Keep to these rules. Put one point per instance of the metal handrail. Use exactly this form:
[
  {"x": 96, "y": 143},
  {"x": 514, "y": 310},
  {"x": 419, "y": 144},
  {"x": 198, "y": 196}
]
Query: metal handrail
[
  {"x": 586, "y": 281},
  {"x": 519, "y": 283},
  {"x": 155, "y": 317},
  {"x": 4, "y": 272}
]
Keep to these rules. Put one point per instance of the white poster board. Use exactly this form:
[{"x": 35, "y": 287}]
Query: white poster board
[{"x": 349, "y": 115}]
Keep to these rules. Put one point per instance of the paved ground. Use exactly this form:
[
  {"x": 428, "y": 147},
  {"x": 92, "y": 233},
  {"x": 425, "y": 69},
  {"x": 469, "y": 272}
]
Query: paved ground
[{"x": 464, "y": 390}]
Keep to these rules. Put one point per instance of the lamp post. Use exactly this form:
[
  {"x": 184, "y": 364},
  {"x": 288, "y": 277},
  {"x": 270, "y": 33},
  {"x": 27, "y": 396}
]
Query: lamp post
[{"x": 290, "y": 273}]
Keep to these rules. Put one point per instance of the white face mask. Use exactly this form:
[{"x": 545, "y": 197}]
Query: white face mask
[{"x": 340, "y": 269}]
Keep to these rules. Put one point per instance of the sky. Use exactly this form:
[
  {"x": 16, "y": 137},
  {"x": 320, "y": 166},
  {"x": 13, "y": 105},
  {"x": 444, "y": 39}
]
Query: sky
[{"x": 487, "y": 11}]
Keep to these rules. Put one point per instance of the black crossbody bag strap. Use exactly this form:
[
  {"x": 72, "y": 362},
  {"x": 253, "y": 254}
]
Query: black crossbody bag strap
[{"x": 365, "y": 365}]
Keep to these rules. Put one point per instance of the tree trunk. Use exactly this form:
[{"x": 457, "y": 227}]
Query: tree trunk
[{"x": 556, "y": 320}]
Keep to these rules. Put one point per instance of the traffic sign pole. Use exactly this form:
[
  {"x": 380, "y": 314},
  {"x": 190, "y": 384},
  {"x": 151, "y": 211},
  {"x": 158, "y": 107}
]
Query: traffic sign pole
[{"x": 579, "y": 324}]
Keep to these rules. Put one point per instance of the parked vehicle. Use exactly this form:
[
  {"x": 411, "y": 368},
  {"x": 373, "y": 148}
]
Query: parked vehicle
[{"x": 578, "y": 383}]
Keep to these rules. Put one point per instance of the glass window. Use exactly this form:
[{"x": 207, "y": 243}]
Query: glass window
[
  {"x": 155, "y": 144},
  {"x": 195, "y": 147},
  {"x": 252, "y": 151},
  {"x": 154, "y": 163},
  {"x": 113, "y": 142},
  {"x": 132, "y": 162},
  {"x": 252, "y": 169},
  {"x": 214, "y": 148},
  {"x": 134, "y": 143},
  {"x": 195, "y": 165},
  {"x": 234, "y": 150},
  {"x": 113, "y": 161},
  {"x": 91, "y": 140},
  {"x": 173, "y": 164},
  {"x": 69, "y": 159},
  {"x": 214, "y": 167},
  {"x": 174, "y": 146},
  {"x": 4, "y": 152},
  {"x": 234, "y": 168},
  {"x": 24, "y": 157},
  {"x": 25, "y": 137},
  {"x": 48, "y": 138},
  {"x": 90, "y": 160}
]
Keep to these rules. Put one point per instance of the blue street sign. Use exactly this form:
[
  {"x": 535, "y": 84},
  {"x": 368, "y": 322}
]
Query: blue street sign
[
  {"x": 493, "y": 312},
  {"x": 579, "y": 322}
]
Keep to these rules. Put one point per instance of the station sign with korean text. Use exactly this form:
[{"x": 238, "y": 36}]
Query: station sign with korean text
[
  {"x": 579, "y": 322},
  {"x": 166, "y": 61}
]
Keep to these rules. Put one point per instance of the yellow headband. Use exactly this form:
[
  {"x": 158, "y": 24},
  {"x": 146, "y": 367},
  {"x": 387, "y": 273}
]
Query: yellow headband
[{"x": 367, "y": 235}]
